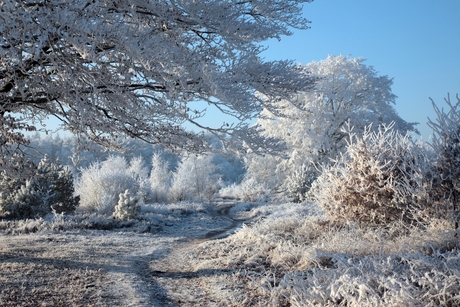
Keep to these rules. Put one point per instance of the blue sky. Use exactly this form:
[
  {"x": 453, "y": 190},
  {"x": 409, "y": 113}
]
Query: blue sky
[{"x": 417, "y": 43}]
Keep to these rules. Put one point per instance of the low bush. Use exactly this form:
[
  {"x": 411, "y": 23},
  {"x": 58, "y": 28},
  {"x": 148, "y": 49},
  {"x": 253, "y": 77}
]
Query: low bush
[{"x": 127, "y": 208}]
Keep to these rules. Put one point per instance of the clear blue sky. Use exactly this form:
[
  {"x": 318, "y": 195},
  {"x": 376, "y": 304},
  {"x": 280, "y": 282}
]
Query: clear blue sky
[{"x": 417, "y": 43}]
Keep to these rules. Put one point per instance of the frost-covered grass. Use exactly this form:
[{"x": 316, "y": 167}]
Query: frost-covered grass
[{"x": 296, "y": 257}]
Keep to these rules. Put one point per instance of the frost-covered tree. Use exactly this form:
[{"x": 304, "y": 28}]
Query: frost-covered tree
[
  {"x": 195, "y": 179},
  {"x": 130, "y": 67},
  {"x": 347, "y": 91}
]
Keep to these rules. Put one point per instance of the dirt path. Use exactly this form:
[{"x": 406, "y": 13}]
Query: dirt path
[
  {"x": 109, "y": 268},
  {"x": 184, "y": 284}
]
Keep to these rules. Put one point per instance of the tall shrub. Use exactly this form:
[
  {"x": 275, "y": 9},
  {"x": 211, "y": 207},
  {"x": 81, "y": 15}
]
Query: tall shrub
[{"x": 160, "y": 179}]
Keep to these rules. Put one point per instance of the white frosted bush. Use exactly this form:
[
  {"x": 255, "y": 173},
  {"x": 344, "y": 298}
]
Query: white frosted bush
[
  {"x": 380, "y": 179},
  {"x": 195, "y": 179},
  {"x": 269, "y": 170},
  {"x": 299, "y": 182},
  {"x": 127, "y": 208},
  {"x": 100, "y": 184},
  {"x": 139, "y": 171}
]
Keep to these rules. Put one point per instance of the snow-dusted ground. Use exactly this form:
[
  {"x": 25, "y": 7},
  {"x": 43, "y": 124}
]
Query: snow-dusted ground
[{"x": 226, "y": 254}]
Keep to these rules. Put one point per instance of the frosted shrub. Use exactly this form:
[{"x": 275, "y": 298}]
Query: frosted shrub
[
  {"x": 101, "y": 183},
  {"x": 446, "y": 171},
  {"x": 25, "y": 202},
  {"x": 127, "y": 208},
  {"x": 50, "y": 187},
  {"x": 56, "y": 185},
  {"x": 380, "y": 179},
  {"x": 269, "y": 169},
  {"x": 195, "y": 179},
  {"x": 160, "y": 179}
]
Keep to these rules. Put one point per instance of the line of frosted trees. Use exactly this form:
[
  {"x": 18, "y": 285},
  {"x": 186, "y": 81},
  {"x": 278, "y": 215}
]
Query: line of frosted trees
[{"x": 343, "y": 146}]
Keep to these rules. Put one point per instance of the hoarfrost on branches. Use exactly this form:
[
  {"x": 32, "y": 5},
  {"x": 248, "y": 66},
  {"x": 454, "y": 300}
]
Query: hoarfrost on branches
[{"x": 111, "y": 68}]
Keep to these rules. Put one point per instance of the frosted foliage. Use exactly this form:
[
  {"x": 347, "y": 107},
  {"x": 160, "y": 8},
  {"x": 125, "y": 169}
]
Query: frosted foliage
[
  {"x": 195, "y": 178},
  {"x": 24, "y": 202},
  {"x": 112, "y": 68},
  {"x": 380, "y": 179},
  {"x": 160, "y": 179},
  {"x": 346, "y": 91},
  {"x": 127, "y": 208},
  {"x": 394, "y": 280},
  {"x": 446, "y": 145},
  {"x": 101, "y": 183},
  {"x": 268, "y": 170}
]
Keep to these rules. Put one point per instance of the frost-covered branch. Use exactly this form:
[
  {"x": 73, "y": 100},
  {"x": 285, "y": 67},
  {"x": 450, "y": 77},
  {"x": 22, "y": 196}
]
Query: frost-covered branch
[{"x": 111, "y": 68}]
